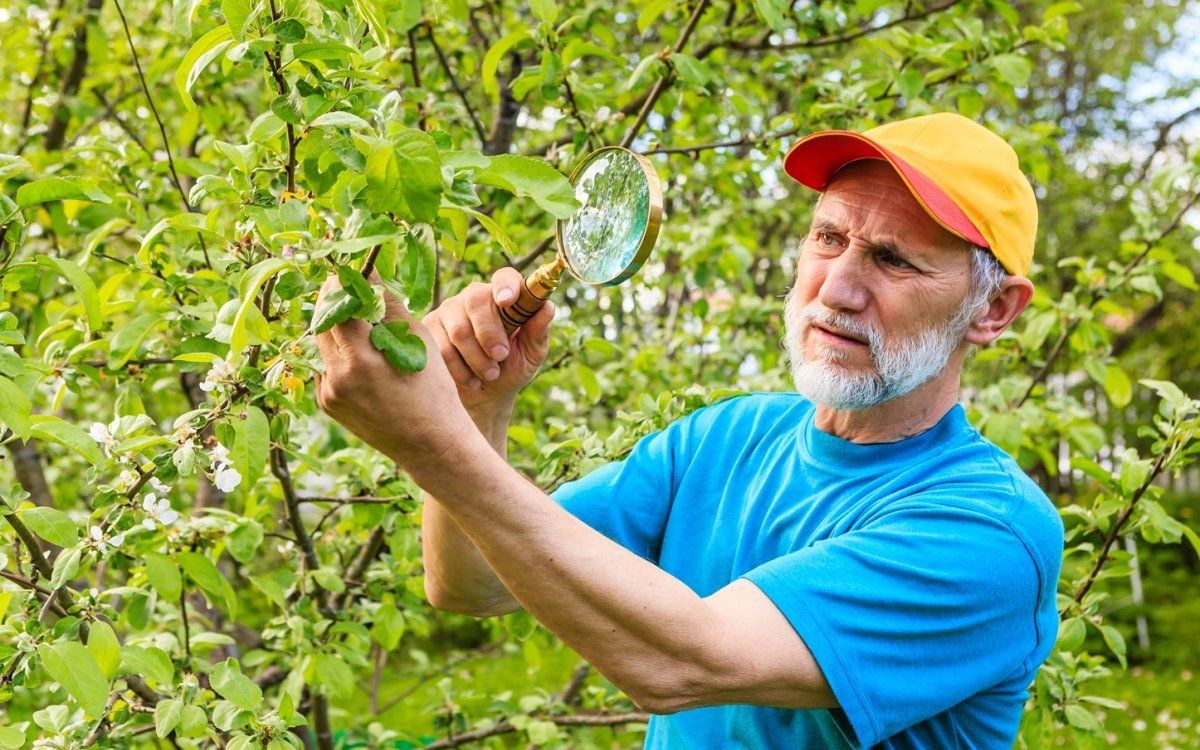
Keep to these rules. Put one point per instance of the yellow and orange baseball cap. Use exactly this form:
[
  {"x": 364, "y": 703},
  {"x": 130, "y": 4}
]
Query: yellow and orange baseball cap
[{"x": 965, "y": 176}]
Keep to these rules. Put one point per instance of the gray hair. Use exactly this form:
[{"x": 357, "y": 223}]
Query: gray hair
[{"x": 987, "y": 278}]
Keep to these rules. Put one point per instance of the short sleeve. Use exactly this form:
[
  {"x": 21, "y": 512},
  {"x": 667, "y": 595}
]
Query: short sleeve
[
  {"x": 628, "y": 501},
  {"x": 912, "y": 613}
]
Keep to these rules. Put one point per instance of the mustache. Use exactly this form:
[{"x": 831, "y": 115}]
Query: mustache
[{"x": 838, "y": 321}]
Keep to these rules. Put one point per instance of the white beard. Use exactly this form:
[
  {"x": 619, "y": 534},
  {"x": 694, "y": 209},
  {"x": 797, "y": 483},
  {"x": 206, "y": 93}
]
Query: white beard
[{"x": 898, "y": 368}]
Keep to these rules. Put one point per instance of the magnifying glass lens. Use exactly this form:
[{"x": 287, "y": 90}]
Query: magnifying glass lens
[{"x": 602, "y": 238}]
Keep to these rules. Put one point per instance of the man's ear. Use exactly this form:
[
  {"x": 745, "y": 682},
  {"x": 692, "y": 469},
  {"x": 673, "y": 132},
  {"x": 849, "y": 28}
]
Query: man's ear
[{"x": 1006, "y": 305}]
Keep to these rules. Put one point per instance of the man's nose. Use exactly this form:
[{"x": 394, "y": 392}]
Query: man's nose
[{"x": 844, "y": 288}]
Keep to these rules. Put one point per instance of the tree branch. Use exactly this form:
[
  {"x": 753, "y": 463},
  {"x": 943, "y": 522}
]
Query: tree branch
[
  {"x": 56, "y": 132},
  {"x": 570, "y": 720},
  {"x": 828, "y": 41},
  {"x": 662, "y": 84},
  {"x": 1101, "y": 294}
]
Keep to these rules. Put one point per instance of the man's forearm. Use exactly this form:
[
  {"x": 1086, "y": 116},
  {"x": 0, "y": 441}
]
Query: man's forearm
[
  {"x": 456, "y": 575},
  {"x": 641, "y": 627}
]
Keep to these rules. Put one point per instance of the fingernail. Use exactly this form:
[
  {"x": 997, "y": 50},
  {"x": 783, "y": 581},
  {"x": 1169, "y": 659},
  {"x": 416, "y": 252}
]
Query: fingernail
[
  {"x": 504, "y": 295},
  {"x": 492, "y": 374},
  {"x": 500, "y": 351},
  {"x": 552, "y": 309}
]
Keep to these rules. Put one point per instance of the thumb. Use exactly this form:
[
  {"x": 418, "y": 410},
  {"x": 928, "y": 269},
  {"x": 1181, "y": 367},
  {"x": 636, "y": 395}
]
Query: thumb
[{"x": 506, "y": 286}]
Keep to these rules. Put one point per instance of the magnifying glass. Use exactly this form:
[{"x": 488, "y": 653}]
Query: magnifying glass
[{"x": 609, "y": 237}]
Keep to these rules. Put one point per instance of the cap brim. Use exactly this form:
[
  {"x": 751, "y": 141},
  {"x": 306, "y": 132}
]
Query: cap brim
[{"x": 813, "y": 160}]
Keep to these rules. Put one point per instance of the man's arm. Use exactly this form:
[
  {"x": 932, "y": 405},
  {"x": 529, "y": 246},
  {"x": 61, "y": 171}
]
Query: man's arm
[
  {"x": 646, "y": 631},
  {"x": 457, "y": 577}
]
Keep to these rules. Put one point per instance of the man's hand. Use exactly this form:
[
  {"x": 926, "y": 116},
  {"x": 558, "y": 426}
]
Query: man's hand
[
  {"x": 489, "y": 367},
  {"x": 415, "y": 418}
]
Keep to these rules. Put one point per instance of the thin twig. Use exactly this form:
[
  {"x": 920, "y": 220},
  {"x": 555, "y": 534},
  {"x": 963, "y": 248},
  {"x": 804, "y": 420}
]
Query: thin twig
[
  {"x": 828, "y": 41},
  {"x": 162, "y": 129},
  {"x": 454, "y": 83}
]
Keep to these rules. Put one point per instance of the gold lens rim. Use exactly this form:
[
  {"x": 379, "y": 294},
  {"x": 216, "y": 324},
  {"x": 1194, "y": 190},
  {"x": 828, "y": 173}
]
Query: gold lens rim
[{"x": 649, "y": 235}]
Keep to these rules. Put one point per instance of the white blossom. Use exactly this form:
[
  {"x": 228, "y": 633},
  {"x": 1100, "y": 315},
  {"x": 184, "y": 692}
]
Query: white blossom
[
  {"x": 100, "y": 537},
  {"x": 220, "y": 455},
  {"x": 102, "y": 435},
  {"x": 226, "y": 478},
  {"x": 126, "y": 479},
  {"x": 219, "y": 377},
  {"x": 157, "y": 485},
  {"x": 158, "y": 511}
]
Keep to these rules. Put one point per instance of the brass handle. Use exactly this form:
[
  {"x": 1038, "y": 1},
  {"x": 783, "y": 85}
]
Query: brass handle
[{"x": 536, "y": 288}]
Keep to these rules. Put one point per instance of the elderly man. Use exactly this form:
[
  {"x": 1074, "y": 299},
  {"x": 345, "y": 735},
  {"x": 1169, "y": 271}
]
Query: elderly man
[{"x": 850, "y": 566}]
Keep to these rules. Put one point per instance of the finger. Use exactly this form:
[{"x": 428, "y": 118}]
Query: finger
[
  {"x": 485, "y": 319},
  {"x": 462, "y": 336},
  {"x": 506, "y": 286},
  {"x": 455, "y": 364}
]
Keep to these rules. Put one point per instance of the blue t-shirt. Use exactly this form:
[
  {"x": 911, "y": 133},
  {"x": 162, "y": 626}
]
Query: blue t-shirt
[{"x": 921, "y": 574}]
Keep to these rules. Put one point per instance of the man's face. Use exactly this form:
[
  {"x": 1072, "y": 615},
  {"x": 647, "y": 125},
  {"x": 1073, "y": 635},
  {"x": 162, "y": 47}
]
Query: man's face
[{"x": 877, "y": 308}]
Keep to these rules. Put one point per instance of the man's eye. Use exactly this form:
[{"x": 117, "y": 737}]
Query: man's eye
[
  {"x": 825, "y": 238},
  {"x": 896, "y": 261}
]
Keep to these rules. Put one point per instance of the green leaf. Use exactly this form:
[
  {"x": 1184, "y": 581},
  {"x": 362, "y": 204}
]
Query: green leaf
[
  {"x": 491, "y": 61},
  {"x": 535, "y": 179},
  {"x": 405, "y": 351},
  {"x": 1081, "y": 718},
  {"x": 1061, "y": 9},
  {"x": 691, "y": 70},
  {"x": 251, "y": 444},
  {"x": 417, "y": 268},
  {"x": 150, "y": 662},
  {"x": 84, "y": 287},
  {"x": 340, "y": 120},
  {"x": 14, "y": 409},
  {"x": 910, "y": 84},
  {"x": 238, "y": 15},
  {"x": 244, "y": 541},
  {"x": 163, "y": 574},
  {"x": 336, "y": 307},
  {"x": 129, "y": 337},
  {"x": 1013, "y": 69},
  {"x": 12, "y": 738},
  {"x": 772, "y": 12},
  {"x": 52, "y": 525},
  {"x": 55, "y": 430},
  {"x": 204, "y": 51},
  {"x": 333, "y": 673},
  {"x": 72, "y": 666},
  {"x": 252, "y": 281},
  {"x": 229, "y": 682},
  {"x": 1115, "y": 641},
  {"x": 1117, "y": 385},
  {"x": 545, "y": 10},
  {"x": 289, "y": 31},
  {"x": 201, "y": 570},
  {"x": 375, "y": 14},
  {"x": 493, "y": 229},
  {"x": 404, "y": 176},
  {"x": 104, "y": 647},
  {"x": 1071, "y": 634},
  {"x": 356, "y": 284},
  {"x": 388, "y": 627},
  {"x": 650, "y": 12},
  {"x": 167, "y": 715},
  {"x": 66, "y": 566},
  {"x": 59, "y": 189}
]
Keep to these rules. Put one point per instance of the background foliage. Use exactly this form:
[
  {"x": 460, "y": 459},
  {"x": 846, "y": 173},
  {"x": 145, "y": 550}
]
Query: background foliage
[{"x": 194, "y": 555}]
